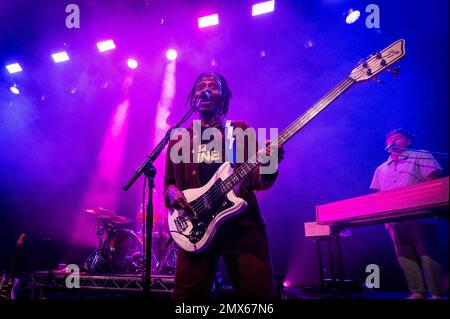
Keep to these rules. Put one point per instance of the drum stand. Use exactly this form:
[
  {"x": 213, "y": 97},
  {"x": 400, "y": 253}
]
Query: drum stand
[
  {"x": 167, "y": 264},
  {"x": 95, "y": 262}
]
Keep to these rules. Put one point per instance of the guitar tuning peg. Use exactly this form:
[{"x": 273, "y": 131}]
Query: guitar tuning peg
[
  {"x": 362, "y": 63},
  {"x": 394, "y": 71},
  {"x": 378, "y": 55}
]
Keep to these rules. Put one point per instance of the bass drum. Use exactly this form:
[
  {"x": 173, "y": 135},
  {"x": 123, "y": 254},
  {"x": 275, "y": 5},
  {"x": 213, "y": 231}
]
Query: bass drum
[{"x": 122, "y": 250}]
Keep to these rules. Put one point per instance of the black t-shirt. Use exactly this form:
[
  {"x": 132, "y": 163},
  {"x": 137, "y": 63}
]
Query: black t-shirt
[{"x": 187, "y": 176}]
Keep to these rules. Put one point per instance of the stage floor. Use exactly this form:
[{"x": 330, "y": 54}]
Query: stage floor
[{"x": 53, "y": 285}]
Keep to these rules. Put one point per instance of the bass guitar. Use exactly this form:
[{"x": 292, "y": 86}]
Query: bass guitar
[{"x": 216, "y": 201}]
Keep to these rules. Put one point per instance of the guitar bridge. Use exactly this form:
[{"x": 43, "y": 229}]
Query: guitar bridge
[{"x": 180, "y": 223}]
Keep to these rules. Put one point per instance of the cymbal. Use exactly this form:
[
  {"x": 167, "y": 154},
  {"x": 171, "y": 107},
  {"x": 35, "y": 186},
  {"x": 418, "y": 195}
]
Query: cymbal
[
  {"x": 101, "y": 212},
  {"x": 120, "y": 220}
]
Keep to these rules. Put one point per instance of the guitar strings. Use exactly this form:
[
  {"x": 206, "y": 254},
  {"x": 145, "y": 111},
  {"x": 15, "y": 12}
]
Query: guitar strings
[
  {"x": 297, "y": 124},
  {"x": 329, "y": 97}
]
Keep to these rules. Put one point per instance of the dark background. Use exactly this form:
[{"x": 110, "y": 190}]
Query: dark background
[{"x": 54, "y": 135}]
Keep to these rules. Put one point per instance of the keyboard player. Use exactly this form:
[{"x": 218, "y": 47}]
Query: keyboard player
[{"x": 415, "y": 241}]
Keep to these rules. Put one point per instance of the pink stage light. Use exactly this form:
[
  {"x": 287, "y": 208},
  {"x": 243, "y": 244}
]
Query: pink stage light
[
  {"x": 106, "y": 45},
  {"x": 161, "y": 125},
  {"x": 132, "y": 63},
  {"x": 119, "y": 119},
  {"x": 60, "y": 56},
  {"x": 14, "y": 68},
  {"x": 263, "y": 7},
  {"x": 171, "y": 54},
  {"x": 104, "y": 187},
  {"x": 286, "y": 283},
  {"x": 208, "y": 21}
]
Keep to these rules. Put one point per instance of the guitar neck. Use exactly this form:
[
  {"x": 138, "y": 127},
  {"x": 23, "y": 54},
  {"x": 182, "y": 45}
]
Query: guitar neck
[
  {"x": 246, "y": 168},
  {"x": 313, "y": 111}
]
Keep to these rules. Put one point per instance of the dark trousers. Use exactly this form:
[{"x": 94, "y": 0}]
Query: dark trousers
[{"x": 245, "y": 251}]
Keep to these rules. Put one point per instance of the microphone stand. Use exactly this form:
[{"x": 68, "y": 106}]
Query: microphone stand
[{"x": 149, "y": 171}]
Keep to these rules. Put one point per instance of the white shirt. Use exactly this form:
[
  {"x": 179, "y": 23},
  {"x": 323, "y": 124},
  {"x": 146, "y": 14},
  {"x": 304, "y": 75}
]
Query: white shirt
[{"x": 410, "y": 168}]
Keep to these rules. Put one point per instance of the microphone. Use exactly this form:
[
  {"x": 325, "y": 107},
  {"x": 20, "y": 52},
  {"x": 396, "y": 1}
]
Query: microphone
[
  {"x": 205, "y": 96},
  {"x": 388, "y": 147}
]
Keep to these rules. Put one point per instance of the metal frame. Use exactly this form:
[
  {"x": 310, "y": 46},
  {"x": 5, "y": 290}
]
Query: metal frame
[{"x": 45, "y": 280}]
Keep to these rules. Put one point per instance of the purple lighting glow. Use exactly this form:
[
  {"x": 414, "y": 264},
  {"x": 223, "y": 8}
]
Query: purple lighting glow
[
  {"x": 105, "y": 182},
  {"x": 132, "y": 63},
  {"x": 171, "y": 54},
  {"x": 207, "y": 21},
  {"x": 263, "y": 7},
  {"x": 14, "y": 68},
  {"x": 60, "y": 56},
  {"x": 106, "y": 45}
]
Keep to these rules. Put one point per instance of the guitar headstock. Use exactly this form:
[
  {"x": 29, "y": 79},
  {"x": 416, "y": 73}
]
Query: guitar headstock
[
  {"x": 379, "y": 62},
  {"x": 20, "y": 240}
]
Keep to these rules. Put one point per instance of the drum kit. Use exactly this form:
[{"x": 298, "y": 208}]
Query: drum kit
[{"x": 121, "y": 250}]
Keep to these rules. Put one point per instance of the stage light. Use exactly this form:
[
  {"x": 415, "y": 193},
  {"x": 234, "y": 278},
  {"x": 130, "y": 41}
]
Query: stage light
[
  {"x": 286, "y": 283},
  {"x": 308, "y": 44},
  {"x": 132, "y": 63},
  {"x": 60, "y": 56},
  {"x": 106, "y": 45},
  {"x": 207, "y": 21},
  {"x": 14, "y": 89},
  {"x": 14, "y": 68},
  {"x": 171, "y": 54},
  {"x": 263, "y": 7},
  {"x": 353, "y": 16}
]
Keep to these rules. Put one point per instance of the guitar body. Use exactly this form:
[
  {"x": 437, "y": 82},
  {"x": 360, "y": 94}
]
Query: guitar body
[
  {"x": 9, "y": 284},
  {"x": 8, "y": 287},
  {"x": 194, "y": 232}
]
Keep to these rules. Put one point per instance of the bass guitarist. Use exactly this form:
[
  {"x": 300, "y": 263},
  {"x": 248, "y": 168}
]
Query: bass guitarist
[{"x": 241, "y": 240}]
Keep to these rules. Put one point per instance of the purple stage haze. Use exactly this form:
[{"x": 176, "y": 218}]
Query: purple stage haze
[{"x": 78, "y": 130}]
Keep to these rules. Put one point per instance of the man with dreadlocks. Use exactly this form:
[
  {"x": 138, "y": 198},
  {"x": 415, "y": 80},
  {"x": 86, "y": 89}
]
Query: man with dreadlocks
[{"x": 242, "y": 239}]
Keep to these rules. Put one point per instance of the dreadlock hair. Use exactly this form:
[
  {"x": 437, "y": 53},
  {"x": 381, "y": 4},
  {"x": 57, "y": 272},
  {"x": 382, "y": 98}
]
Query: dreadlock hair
[
  {"x": 409, "y": 135},
  {"x": 226, "y": 92}
]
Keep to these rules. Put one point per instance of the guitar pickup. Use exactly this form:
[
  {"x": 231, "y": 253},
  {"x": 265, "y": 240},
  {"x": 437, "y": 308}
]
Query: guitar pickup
[{"x": 180, "y": 223}]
